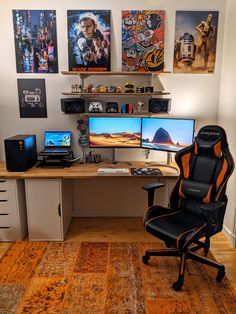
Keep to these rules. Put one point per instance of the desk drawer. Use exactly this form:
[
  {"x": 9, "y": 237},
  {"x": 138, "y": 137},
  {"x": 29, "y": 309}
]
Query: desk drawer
[
  {"x": 7, "y": 195},
  {"x": 9, "y": 234},
  {"x": 8, "y": 220},
  {"x": 7, "y": 184},
  {"x": 7, "y": 206}
]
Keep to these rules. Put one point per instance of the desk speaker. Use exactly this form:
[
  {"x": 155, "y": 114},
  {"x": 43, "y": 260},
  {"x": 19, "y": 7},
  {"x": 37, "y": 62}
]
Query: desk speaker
[
  {"x": 159, "y": 105},
  {"x": 73, "y": 105}
]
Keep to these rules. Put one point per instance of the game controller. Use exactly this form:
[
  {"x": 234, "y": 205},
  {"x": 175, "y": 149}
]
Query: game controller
[{"x": 95, "y": 106}]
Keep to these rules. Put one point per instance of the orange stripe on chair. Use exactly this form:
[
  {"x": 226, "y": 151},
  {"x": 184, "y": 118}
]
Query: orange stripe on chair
[
  {"x": 185, "y": 163},
  {"x": 222, "y": 174},
  {"x": 217, "y": 149},
  {"x": 195, "y": 149},
  {"x": 207, "y": 198},
  {"x": 180, "y": 189}
]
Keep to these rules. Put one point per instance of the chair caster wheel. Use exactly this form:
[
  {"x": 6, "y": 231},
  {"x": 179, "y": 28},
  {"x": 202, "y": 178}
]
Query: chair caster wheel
[
  {"x": 145, "y": 259},
  {"x": 220, "y": 275},
  {"x": 177, "y": 285}
]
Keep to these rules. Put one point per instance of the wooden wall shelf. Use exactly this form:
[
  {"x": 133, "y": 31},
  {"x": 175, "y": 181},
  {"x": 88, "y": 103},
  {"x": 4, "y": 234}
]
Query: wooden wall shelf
[
  {"x": 117, "y": 94},
  {"x": 119, "y": 114},
  {"x": 87, "y": 73}
]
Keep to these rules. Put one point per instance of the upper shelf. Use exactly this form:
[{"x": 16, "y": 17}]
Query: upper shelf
[
  {"x": 88, "y": 73},
  {"x": 117, "y": 94}
]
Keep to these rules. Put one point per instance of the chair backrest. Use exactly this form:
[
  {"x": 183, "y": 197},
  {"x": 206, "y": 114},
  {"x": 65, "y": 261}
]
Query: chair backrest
[{"x": 205, "y": 168}]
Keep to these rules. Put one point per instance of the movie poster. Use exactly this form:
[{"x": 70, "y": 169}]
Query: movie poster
[
  {"x": 143, "y": 40},
  {"x": 35, "y": 41},
  {"x": 89, "y": 40},
  {"x": 32, "y": 98},
  {"x": 195, "y": 41}
]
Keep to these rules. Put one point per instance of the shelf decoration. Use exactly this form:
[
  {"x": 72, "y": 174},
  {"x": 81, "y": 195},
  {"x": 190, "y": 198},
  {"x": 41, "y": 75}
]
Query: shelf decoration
[
  {"x": 35, "y": 41},
  {"x": 143, "y": 40},
  {"x": 195, "y": 41},
  {"x": 32, "y": 98},
  {"x": 89, "y": 40}
]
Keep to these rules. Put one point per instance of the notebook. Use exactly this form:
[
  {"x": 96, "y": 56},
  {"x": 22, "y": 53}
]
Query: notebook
[{"x": 57, "y": 142}]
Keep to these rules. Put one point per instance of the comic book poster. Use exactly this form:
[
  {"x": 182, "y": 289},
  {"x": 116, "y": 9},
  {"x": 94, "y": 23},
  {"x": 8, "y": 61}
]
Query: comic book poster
[
  {"x": 35, "y": 41},
  {"x": 195, "y": 41},
  {"x": 32, "y": 98},
  {"x": 89, "y": 40},
  {"x": 143, "y": 40}
]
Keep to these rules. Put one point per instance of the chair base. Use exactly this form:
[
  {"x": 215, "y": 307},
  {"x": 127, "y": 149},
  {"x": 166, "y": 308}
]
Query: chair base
[{"x": 184, "y": 255}]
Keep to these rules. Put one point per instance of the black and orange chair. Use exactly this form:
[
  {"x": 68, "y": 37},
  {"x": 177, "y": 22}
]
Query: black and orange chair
[{"x": 197, "y": 203}]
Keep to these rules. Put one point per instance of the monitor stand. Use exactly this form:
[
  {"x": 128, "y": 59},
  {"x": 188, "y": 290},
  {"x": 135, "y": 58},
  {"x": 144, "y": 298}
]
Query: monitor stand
[
  {"x": 114, "y": 158},
  {"x": 167, "y": 165}
]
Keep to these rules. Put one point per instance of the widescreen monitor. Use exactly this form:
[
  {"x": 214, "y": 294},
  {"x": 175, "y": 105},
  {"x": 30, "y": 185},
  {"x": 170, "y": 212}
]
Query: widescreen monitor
[
  {"x": 167, "y": 134},
  {"x": 114, "y": 132}
]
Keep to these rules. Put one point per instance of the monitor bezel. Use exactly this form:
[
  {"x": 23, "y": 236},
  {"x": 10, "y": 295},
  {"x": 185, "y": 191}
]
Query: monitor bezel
[
  {"x": 166, "y": 150},
  {"x": 114, "y": 147}
]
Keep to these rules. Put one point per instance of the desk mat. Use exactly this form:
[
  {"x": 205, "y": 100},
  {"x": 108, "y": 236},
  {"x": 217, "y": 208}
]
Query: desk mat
[{"x": 101, "y": 277}]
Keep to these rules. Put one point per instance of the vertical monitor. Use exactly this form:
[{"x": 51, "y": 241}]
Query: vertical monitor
[
  {"x": 167, "y": 134},
  {"x": 114, "y": 132}
]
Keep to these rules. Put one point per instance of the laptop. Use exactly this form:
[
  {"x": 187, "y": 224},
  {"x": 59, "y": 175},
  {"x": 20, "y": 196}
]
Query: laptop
[{"x": 57, "y": 142}]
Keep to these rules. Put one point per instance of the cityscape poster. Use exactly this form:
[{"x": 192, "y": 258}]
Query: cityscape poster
[{"x": 35, "y": 41}]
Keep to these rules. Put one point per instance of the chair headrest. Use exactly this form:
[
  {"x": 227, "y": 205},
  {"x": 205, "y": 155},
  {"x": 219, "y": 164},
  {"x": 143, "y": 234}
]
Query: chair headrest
[{"x": 210, "y": 140}]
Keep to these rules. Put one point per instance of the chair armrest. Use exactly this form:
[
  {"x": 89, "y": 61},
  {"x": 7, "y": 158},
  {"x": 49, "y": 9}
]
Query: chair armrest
[
  {"x": 212, "y": 207},
  {"x": 153, "y": 186},
  {"x": 150, "y": 188}
]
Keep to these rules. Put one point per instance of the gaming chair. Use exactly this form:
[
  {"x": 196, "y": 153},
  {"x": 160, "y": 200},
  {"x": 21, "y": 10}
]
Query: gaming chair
[{"x": 197, "y": 203}]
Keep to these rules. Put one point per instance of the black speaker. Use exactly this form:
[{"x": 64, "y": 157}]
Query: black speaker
[
  {"x": 20, "y": 152},
  {"x": 159, "y": 105},
  {"x": 73, "y": 105}
]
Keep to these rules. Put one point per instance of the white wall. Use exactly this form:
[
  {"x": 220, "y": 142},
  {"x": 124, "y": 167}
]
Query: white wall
[
  {"x": 227, "y": 108},
  {"x": 192, "y": 95}
]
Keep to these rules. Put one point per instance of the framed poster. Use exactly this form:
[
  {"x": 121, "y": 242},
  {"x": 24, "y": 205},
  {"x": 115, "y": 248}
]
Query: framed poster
[
  {"x": 32, "y": 98},
  {"x": 35, "y": 41},
  {"x": 89, "y": 40},
  {"x": 195, "y": 41},
  {"x": 143, "y": 40}
]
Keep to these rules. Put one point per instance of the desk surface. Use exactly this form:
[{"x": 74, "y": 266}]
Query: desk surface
[{"x": 82, "y": 171}]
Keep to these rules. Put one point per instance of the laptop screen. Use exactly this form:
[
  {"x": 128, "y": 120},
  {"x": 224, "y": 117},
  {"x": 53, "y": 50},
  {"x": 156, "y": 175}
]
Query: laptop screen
[{"x": 57, "y": 139}]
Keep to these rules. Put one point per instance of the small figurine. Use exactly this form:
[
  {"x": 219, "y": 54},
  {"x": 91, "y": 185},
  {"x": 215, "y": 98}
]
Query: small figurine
[
  {"x": 138, "y": 106},
  {"x": 119, "y": 89},
  {"x": 90, "y": 88},
  {"x": 129, "y": 87}
]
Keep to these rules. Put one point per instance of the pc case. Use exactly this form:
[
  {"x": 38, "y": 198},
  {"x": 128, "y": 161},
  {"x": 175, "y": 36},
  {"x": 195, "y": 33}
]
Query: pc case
[{"x": 20, "y": 152}]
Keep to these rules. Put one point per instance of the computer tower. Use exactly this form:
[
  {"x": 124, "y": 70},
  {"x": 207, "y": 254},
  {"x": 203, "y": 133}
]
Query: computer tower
[{"x": 20, "y": 152}]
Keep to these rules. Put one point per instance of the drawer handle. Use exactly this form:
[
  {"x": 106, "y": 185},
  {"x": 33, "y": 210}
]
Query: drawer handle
[
  {"x": 4, "y": 214},
  {"x": 3, "y": 200},
  {"x": 3, "y": 191},
  {"x": 5, "y": 227},
  {"x": 2, "y": 181}
]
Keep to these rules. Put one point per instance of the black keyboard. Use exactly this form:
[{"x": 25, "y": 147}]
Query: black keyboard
[{"x": 146, "y": 172}]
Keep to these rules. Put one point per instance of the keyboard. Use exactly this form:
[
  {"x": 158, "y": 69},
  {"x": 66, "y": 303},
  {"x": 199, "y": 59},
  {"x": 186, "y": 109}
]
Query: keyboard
[
  {"x": 146, "y": 172},
  {"x": 112, "y": 170}
]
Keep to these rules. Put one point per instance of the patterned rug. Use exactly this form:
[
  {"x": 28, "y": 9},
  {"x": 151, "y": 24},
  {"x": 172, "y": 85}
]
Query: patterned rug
[{"x": 87, "y": 277}]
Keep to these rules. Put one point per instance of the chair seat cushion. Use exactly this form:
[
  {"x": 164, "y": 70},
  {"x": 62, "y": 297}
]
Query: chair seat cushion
[{"x": 176, "y": 228}]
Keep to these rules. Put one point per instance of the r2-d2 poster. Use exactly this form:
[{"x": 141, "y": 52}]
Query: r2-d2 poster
[
  {"x": 89, "y": 40},
  {"x": 143, "y": 40},
  {"x": 195, "y": 41},
  {"x": 35, "y": 41}
]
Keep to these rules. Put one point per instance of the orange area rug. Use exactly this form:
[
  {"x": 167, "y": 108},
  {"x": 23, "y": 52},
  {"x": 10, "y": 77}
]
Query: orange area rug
[{"x": 98, "y": 278}]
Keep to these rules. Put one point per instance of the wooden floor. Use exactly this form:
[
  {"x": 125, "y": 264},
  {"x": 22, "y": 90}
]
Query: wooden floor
[{"x": 131, "y": 230}]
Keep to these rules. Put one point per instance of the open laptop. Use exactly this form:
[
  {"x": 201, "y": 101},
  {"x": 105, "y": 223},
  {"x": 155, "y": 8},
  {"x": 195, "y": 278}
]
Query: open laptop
[{"x": 57, "y": 142}]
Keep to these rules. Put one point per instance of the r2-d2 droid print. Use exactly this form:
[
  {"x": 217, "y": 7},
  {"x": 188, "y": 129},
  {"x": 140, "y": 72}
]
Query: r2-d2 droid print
[{"x": 185, "y": 50}]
